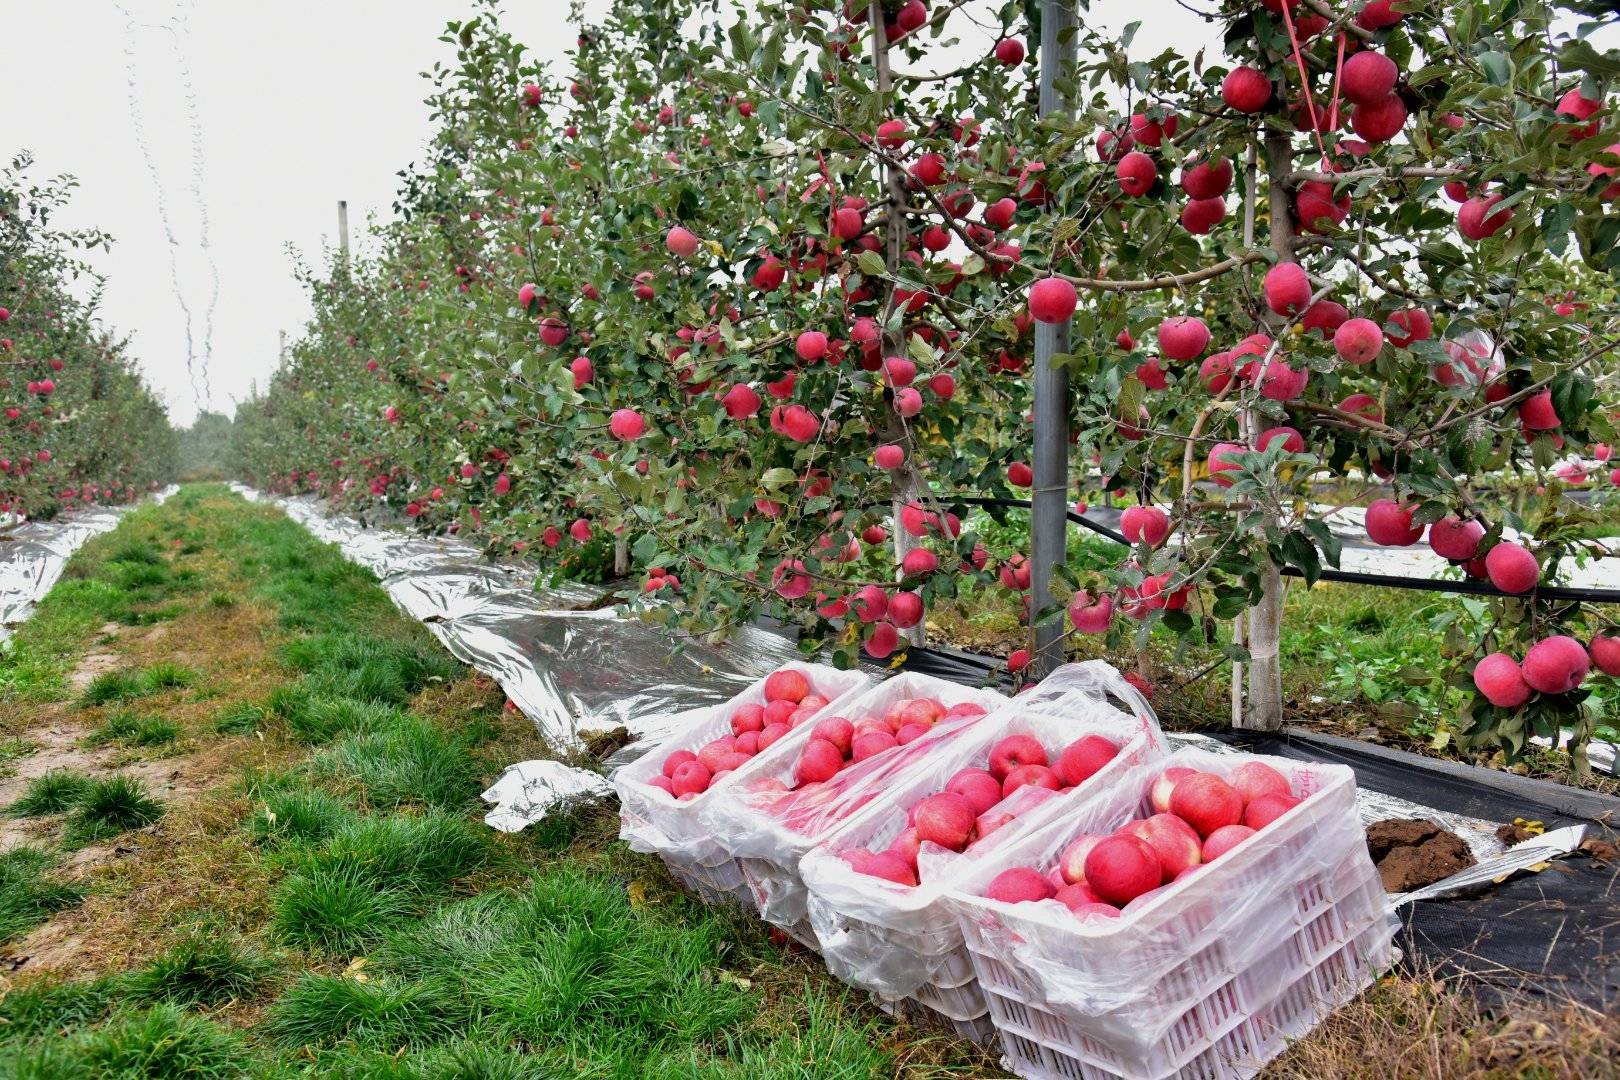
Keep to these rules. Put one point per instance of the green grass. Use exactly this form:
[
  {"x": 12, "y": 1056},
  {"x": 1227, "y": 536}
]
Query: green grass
[
  {"x": 339, "y": 910},
  {"x": 55, "y": 792},
  {"x": 133, "y": 729},
  {"x": 300, "y": 814},
  {"x": 159, "y": 1043},
  {"x": 203, "y": 969},
  {"x": 240, "y": 718},
  {"x": 40, "y": 1009},
  {"x": 167, "y": 676},
  {"x": 110, "y": 807},
  {"x": 408, "y": 762},
  {"x": 16, "y": 747},
  {"x": 312, "y": 717},
  {"x": 28, "y": 895},
  {"x": 114, "y": 686}
]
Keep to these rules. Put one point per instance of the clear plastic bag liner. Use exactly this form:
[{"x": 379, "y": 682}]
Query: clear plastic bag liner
[
  {"x": 892, "y": 939},
  {"x": 568, "y": 670},
  {"x": 1374, "y": 806},
  {"x": 650, "y": 819},
  {"x": 768, "y": 824},
  {"x": 525, "y": 792},
  {"x": 1495, "y": 861},
  {"x": 1127, "y": 980}
]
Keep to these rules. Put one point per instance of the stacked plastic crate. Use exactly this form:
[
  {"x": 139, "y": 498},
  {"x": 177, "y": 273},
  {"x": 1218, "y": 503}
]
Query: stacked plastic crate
[
  {"x": 1207, "y": 976},
  {"x": 652, "y": 819},
  {"x": 902, "y": 941}
]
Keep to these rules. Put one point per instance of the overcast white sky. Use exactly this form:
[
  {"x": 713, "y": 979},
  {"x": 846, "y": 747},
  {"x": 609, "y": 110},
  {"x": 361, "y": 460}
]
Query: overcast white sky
[{"x": 299, "y": 103}]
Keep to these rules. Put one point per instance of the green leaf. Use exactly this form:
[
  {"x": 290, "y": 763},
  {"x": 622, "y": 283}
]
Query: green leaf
[
  {"x": 777, "y": 477},
  {"x": 1298, "y": 551},
  {"x": 1582, "y": 56},
  {"x": 871, "y": 264}
]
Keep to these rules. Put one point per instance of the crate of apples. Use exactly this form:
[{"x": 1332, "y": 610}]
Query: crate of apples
[
  {"x": 798, "y": 792},
  {"x": 1199, "y": 903},
  {"x": 660, "y": 792},
  {"x": 877, "y": 885}
]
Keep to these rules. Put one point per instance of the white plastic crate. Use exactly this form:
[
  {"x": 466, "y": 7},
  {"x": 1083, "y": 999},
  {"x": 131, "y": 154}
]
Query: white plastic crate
[
  {"x": 897, "y": 940},
  {"x": 1207, "y": 977},
  {"x": 651, "y": 820},
  {"x": 770, "y": 830},
  {"x": 717, "y": 880},
  {"x": 966, "y": 1015}
]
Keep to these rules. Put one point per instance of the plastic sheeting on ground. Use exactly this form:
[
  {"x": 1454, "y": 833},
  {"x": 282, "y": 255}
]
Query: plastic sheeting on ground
[
  {"x": 569, "y": 670},
  {"x": 524, "y": 793},
  {"x": 34, "y": 554}
]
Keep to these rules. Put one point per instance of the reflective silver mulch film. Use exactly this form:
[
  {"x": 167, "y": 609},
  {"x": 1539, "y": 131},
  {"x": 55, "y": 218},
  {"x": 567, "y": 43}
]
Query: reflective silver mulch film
[
  {"x": 34, "y": 554},
  {"x": 567, "y": 668}
]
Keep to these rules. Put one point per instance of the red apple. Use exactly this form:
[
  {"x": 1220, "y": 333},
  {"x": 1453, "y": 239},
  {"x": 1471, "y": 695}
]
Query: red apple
[
  {"x": 1083, "y": 758},
  {"x": 945, "y": 819},
  {"x": 1206, "y": 802},
  {"x": 1013, "y": 751},
  {"x": 1266, "y": 809},
  {"x": 979, "y": 788},
  {"x": 1120, "y": 868},
  {"x": 1225, "y": 839},
  {"x": 1019, "y": 885},
  {"x": 1172, "y": 840},
  {"x": 1253, "y": 779}
]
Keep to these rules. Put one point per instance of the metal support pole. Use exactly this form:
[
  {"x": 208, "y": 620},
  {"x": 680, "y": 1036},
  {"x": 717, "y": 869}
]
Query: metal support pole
[
  {"x": 1050, "y": 502},
  {"x": 343, "y": 228}
]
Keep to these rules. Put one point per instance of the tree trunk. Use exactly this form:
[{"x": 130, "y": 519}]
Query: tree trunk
[
  {"x": 621, "y": 556},
  {"x": 906, "y": 483},
  {"x": 1265, "y": 706}
]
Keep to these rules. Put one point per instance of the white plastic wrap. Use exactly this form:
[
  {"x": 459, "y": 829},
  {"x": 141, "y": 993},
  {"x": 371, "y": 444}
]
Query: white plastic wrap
[
  {"x": 771, "y": 830},
  {"x": 1231, "y": 960},
  {"x": 894, "y": 939},
  {"x": 651, "y": 820},
  {"x": 526, "y": 792}
]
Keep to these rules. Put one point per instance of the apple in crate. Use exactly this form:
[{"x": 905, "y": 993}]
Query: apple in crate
[
  {"x": 1266, "y": 809},
  {"x": 1013, "y": 751},
  {"x": 869, "y": 736},
  {"x": 1173, "y": 841},
  {"x": 1253, "y": 779},
  {"x": 1082, "y": 759},
  {"x": 789, "y": 699},
  {"x": 1225, "y": 839},
  {"x": 1122, "y": 867},
  {"x": 1019, "y": 885},
  {"x": 888, "y": 865},
  {"x": 1159, "y": 795},
  {"x": 977, "y": 786},
  {"x": 1206, "y": 802},
  {"x": 946, "y": 819}
]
